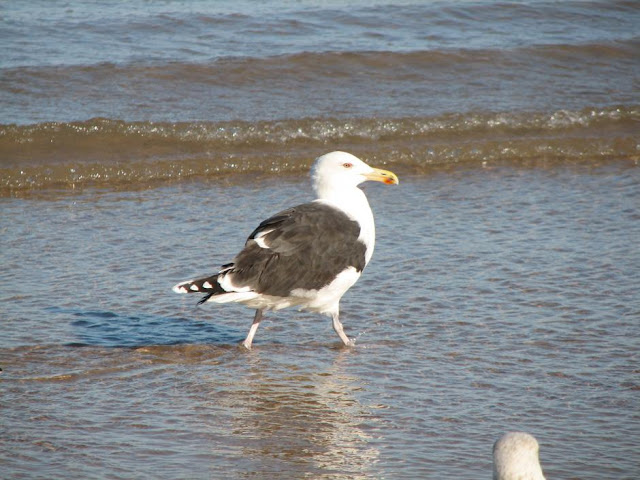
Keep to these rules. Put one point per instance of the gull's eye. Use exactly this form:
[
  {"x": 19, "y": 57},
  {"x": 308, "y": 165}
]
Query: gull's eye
[{"x": 347, "y": 165}]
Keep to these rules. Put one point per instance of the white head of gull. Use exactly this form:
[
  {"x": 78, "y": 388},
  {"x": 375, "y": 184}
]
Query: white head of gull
[
  {"x": 515, "y": 457},
  {"x": 307, "y": 256}
]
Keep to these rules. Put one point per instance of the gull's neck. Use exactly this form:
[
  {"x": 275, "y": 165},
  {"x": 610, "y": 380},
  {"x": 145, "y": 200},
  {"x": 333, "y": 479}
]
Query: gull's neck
[{"x": 352, "y": 201}]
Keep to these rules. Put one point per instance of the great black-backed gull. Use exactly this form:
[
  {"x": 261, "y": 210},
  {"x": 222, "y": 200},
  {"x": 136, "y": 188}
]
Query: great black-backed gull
[
  {"x": 307, "y": 256},
  {"x": 515, "y": 457}
]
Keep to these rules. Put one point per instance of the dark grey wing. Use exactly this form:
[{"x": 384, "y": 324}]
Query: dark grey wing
[{"x": 303, "y": 247}]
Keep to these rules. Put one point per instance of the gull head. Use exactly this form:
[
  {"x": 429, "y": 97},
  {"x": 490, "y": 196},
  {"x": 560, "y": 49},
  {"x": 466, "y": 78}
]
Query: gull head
[{"x": 341, "y": 170}]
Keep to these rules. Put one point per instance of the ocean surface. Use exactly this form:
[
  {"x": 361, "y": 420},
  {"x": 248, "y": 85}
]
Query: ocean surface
[{"x": 141, "y": 142}]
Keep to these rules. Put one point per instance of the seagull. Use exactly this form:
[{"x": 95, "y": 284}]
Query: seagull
[
  {"x": 306, "y": 256},
  {"x": 515, "y": 457}
]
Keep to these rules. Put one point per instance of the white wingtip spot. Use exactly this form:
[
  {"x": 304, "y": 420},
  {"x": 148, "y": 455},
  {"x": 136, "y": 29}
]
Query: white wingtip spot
[
  {"x": 207, "y": 285},
  {"x": 194, "y": 288},
  {"x": 179, "y": 288}
]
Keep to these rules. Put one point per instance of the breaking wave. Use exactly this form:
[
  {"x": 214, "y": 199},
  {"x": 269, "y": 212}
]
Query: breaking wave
[{"x": 107, "y": 152}]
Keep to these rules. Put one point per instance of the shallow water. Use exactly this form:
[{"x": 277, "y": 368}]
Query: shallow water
[
  {"x": 141, "y": 142},
  {"x": 497, "y": 299}
]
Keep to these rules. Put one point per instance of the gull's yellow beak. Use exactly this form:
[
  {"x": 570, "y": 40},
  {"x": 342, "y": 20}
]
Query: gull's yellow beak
[{"x": 384, "y": 176}]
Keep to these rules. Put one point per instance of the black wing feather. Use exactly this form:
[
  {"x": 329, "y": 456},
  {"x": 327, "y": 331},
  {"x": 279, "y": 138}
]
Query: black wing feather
[{"x": 309, "y": 245}]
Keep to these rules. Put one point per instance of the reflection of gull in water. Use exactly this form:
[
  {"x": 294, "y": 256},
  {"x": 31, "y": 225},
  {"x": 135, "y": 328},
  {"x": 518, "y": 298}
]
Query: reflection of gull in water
[
  {"x": 306, "y": 423},
  {"x": 515, "y": 457}
]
